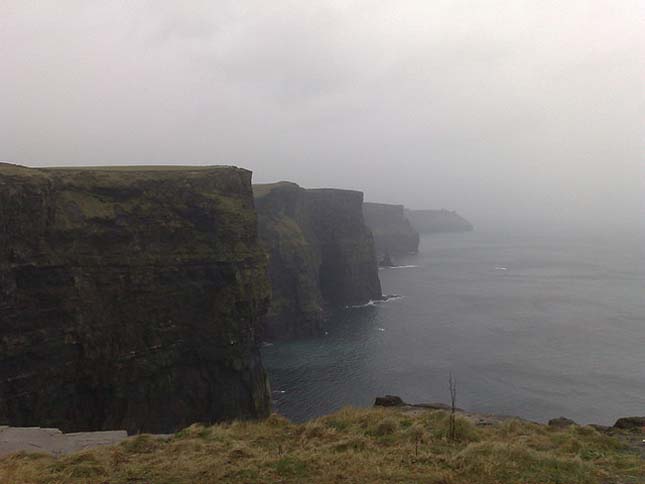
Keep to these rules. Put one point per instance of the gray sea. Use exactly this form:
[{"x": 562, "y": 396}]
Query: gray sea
[{"x": 530, "y": 325}]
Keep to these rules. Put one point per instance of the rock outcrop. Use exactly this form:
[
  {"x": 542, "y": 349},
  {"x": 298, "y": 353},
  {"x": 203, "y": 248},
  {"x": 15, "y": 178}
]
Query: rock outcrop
[
  {"x": 389, "y": 401},
  {"x": 437, "y": 221},
  {"x": 393, "y": 233},
  {"x": 321, "y": 255},
  {"x": 630, "y": 423},
  {"x": 561, "y": 422},
  {"x": 130, "y": 298}
]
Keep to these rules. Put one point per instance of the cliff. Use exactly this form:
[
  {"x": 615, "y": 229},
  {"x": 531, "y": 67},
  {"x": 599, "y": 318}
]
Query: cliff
[
  {"x": 321, "y": 255},
  {"x": 393, "y": 233},
  {"x": 437, "y": 221},
  {"x": 129, "y": 298}
]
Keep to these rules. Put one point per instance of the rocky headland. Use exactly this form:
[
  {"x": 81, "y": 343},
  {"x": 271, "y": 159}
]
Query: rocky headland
[
  {"x": 130, "y": 298},
  {"x": 321, "y": 255}
]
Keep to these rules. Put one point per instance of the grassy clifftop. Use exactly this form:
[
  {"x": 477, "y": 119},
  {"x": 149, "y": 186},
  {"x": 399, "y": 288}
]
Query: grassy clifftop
[{"x": 353, "y": 445}]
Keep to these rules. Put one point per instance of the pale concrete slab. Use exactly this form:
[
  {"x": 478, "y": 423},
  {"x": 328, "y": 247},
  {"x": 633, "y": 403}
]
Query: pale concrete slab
[{"x": 53, "y": 441}]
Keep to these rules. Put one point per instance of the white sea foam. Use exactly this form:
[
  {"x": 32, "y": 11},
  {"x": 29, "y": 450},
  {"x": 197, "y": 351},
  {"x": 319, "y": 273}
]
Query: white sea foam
[
  {"x": 399, "y": 267},
  {"x": 372, "y": 302},
  {"x": 500, "y": 268}
]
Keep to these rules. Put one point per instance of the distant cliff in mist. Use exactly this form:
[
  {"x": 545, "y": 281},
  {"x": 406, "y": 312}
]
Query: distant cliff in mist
[
  {"x": 321, "y": 255},
  {"x": 437, "y": 221},
  {"x": 393, "y": 233}
]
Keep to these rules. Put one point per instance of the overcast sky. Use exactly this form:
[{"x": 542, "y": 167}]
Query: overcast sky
[{"x": 504, "y": 110}]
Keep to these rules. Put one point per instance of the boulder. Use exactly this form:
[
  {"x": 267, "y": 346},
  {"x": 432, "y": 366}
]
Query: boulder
[
  {"x": 630, "y": 423},
  {"x": 561, "y": 422},
  {"x": 389, "y": 401}
]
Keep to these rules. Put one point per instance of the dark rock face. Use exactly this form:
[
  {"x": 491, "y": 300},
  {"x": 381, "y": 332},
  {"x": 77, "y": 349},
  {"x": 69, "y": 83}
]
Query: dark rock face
[
  {"x": 129, "y": 298},
  {"x": 630, "y": 423},
  {"x": 348, "y": 268},
  {"x": 321, "y": 255},
  {"x": 437, "y": 221},
  {"x": 393, "y": 233}
]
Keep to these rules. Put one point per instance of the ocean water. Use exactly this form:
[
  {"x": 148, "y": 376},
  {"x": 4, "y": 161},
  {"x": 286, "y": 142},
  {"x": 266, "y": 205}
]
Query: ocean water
[{"x": 530, "y": 325}]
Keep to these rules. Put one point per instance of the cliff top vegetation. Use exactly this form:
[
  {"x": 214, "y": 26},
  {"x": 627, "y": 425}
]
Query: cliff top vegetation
[{"x": 353, "y": 445}]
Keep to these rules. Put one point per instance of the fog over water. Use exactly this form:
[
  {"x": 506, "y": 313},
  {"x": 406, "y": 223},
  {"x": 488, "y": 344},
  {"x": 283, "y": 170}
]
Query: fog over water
[
  {"x": 508, "y": 111},
  {"x": 530, "y": 325}
]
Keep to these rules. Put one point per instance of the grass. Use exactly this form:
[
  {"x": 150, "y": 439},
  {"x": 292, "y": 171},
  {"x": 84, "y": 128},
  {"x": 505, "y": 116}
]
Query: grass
[{"x": 350, "y": 446}]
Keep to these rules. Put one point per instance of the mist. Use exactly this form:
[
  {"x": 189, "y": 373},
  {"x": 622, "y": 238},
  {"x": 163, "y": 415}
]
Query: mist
[{"x": 507, "y": 111}]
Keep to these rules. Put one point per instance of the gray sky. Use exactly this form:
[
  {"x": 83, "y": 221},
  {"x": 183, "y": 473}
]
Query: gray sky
[{"x": 504, "y": 110}]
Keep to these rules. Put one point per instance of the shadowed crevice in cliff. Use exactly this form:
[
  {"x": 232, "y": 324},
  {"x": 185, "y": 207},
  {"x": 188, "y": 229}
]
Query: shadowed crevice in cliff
[
  {"x": 321, "y": 255},
  {"x": 129, "y": 298}
]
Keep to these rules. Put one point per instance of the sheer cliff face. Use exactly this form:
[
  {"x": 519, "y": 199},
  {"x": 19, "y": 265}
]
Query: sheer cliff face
[
  {"x": 437, "y": 221},
  {"x": 294, "y": 261},
  {"x": 129, "y": 298},
  {"x": 393, "y": 233},
  {"x": 321, "y": 255}
]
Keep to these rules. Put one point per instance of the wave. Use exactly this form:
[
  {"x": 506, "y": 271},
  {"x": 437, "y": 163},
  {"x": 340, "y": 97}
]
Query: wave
[
  {"x": 410, "y": 266},
  {"x": 374, "y": 302},
  {"x": 371, "y": 302},
  {"x": 500, "y": 268}
]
